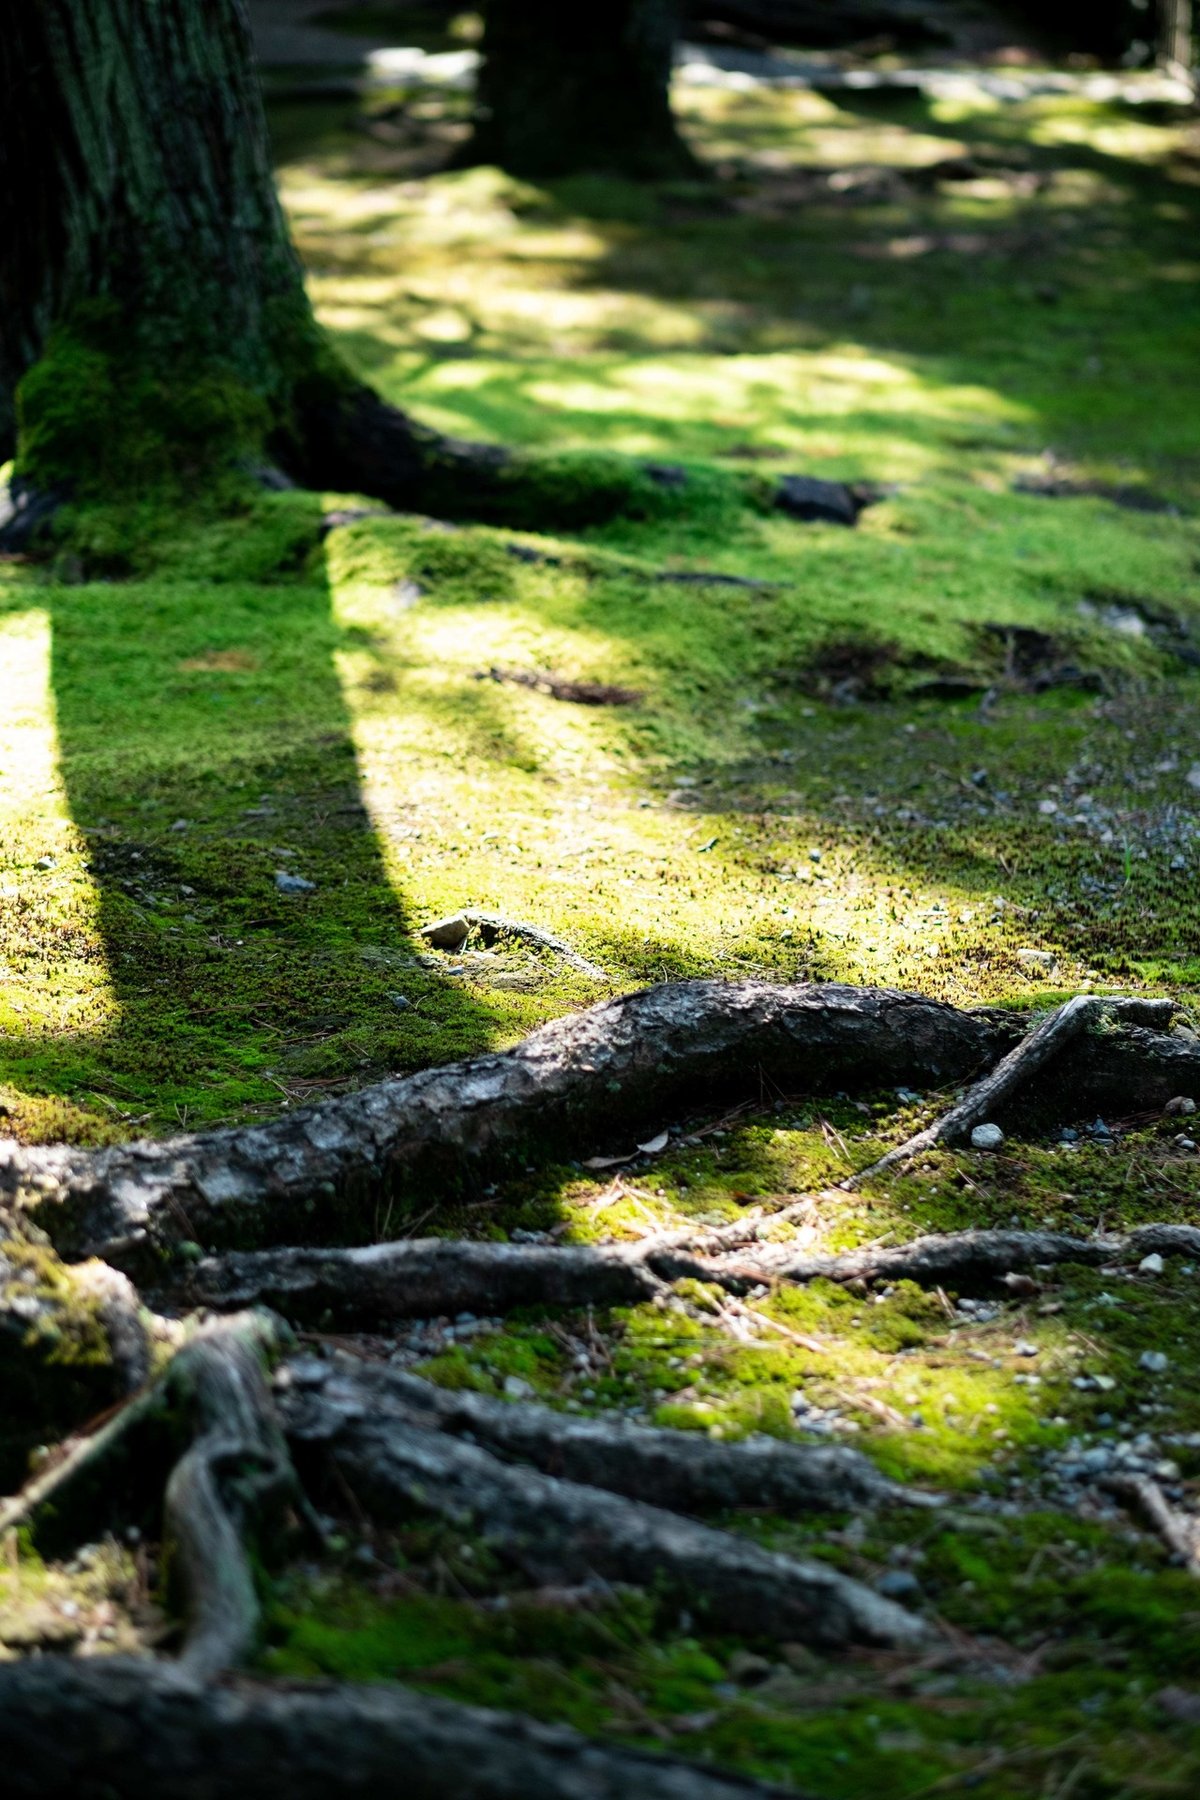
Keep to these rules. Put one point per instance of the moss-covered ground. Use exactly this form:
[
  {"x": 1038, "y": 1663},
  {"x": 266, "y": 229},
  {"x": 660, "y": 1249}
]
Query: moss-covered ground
[{"x": 954, "y": 749}]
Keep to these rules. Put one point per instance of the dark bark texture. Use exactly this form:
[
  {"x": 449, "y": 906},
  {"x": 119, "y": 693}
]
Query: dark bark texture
[
  {"x": 138, "y": 211},
  {"x": 104, "y": 1728},
  {"x": 134, "y": 165},
  {"x": 577, "y": 1085},
  {"x": 557, "y": 1530},
  {"x": 682, "y": 1470},
  {"x": 570, "y": 89}
]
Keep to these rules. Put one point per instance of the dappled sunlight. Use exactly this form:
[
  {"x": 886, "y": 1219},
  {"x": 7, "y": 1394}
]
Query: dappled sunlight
[
  {"x": 54, "y": 972},
  {"x": 785, "y": 128},
  {"x": 711, "y": 317}
]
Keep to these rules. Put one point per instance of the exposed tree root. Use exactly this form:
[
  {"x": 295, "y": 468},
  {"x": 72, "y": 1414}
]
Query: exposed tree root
[
  {"x": 1180, "y": 1531},
  {"x": 564, "y": 1531},
  {"x": 634, "y": 1059},
  {"x": 115, "y": 1727},
  {"x": 1046, "y": 1040},
  {"x": 566, "y": 1499},
  {"x": 422, "y": 1278},
  {"x": 680, "y": 1470},
  {"x": 431, "y": 1277},
  {"x": 452, "y": 932},
  {"x": 215, "y": 1384},
  {"x": 104, "y": 1728},
  {"x": 966, "y": 1257},
  {"x": 232, "y": 1484}
]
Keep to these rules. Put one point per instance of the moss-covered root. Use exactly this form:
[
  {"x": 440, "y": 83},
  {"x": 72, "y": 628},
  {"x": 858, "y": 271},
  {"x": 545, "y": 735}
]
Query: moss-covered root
[{"x": 72, "y": 1341}]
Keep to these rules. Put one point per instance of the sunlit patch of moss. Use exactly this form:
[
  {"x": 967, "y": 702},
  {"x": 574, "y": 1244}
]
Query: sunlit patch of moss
[{"x": 96, "y": 1604}]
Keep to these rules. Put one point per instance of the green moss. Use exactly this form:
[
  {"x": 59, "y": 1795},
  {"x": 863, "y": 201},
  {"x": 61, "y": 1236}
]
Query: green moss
[
  {"x": 797, "y": 794},
  {"x": 55, "y": 1361},
  {"x": 101, "y": 415}
]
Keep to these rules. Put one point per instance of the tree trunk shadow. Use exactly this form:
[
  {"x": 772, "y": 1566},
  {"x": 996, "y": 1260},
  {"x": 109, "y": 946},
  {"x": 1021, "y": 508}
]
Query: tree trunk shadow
[{"x": 213, "y": 932}]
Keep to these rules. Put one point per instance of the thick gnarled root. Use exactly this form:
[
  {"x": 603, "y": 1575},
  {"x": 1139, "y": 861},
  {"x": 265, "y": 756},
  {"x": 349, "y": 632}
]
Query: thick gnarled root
[
  {"x": 680, "y": 1470},
  {"x": 100, "y": 1729},
  {"x": 627, "y": 1062},
  {"x": 563, "y": 1531}
]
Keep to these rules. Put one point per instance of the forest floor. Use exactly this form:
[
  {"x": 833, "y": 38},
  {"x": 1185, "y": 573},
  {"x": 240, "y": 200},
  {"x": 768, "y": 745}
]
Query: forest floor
[{"x": 955, "y": 749}]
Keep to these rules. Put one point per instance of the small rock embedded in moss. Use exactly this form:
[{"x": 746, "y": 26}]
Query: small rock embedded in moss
[
  {"x": 1182, "y": 1103},
  {"x": 899, "y": 1584},
  {"x": 447, "y": 934},
  {"x": 987, "y": 1137},
  {"x": 1151, "y": 1265},
  {"x": 1038, "y": 962},
  {"x": 287, "y": 883},
  {"x": 1153, "y": 1361}
]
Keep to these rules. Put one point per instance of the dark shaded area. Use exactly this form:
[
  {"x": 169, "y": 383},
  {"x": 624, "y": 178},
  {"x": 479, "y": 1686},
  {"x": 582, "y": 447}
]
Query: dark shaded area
[
  {"x": 566, "y": 89},
  {"x": 229, "y": 988}
]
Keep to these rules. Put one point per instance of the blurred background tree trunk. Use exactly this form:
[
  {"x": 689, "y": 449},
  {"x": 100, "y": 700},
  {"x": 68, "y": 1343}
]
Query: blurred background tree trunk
[
  {"x": 565, "y": 89},
  {"x": 1175, "y": 34}
]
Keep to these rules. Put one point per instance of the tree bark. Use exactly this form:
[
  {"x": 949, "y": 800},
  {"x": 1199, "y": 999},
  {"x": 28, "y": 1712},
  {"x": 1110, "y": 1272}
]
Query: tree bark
[
  {"x": 153, "y": 317},
  {"x": 561, "y": 1531},
  {"x": 1175, "y": 34},
  {"x": 109, "y": 1727},
  {"x": 570, "y": 89},
  {"x": 136, "y": 171},
  {"x": 621, "y": 1066}
]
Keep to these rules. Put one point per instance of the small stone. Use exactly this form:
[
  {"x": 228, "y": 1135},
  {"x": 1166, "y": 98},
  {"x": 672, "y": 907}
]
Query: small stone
[
  {"x": 287, "y": 883},
  {"x": 1098, "y": 1129},
  {"x": 1047, "y": 808},
  {"x": 400, "y": 1001},
  {"x": 1037, "y": 962},
  {"x": 1153, "y": 1361},
  {"x": 1184, "y": 1142},
  {"x": 1151, "y": 1265},
  {"x": 179, "y": 824},
  {"x": 745, "y": 1667},
  {"x": 899, "y": 1584},
  {"x": 987, "y": 1137},
  {"x": 1068, "y": 1135},
  {"x": 449, "y": 933},
  {"x": 517, "y": 1389},
  {"x": 1182, "y": 1103},
  {"x": 1023, "y": 1347},
  {"x": 808, "y": 497}
]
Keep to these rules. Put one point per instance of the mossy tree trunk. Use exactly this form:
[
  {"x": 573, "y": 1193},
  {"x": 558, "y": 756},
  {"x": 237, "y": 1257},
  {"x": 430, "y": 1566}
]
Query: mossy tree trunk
[
  {"x": 568, "y": 89},
  {"x": 153, "y": 318}
]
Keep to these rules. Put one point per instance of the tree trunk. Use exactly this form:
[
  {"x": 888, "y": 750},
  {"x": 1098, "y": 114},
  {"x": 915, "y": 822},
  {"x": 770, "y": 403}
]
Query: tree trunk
[
  {"x": 139, "y": 205},
  {"x": 154, "y": 326},
  {"x": 570, "y": 89},
  {"x": 1175, "y": 34}
]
